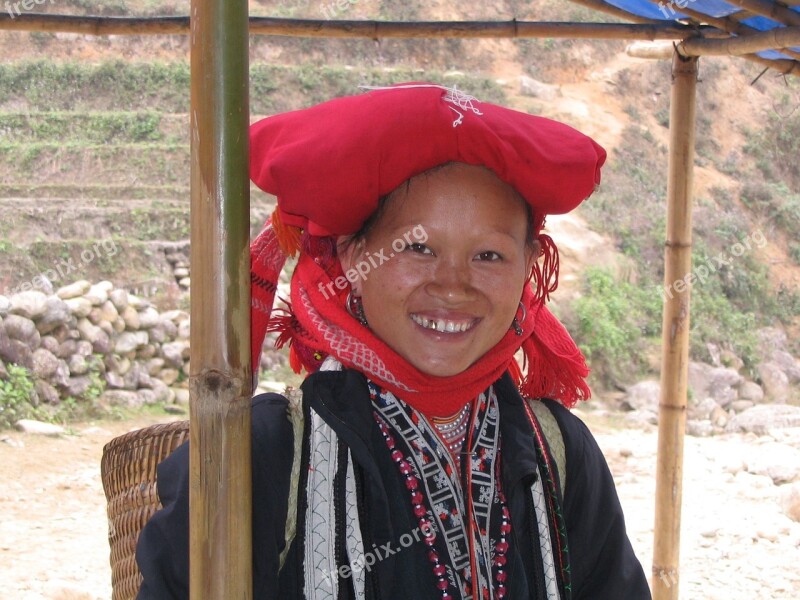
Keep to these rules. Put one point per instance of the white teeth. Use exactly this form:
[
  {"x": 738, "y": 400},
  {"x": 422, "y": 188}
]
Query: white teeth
[{"x": 441, "y": 324}]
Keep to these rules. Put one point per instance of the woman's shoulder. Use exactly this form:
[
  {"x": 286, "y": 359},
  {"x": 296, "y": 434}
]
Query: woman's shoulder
[{"x": 271, "y": 424}]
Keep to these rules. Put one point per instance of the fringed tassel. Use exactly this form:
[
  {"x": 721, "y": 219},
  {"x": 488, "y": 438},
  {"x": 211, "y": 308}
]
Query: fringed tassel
[
  {"x": 289, "y": 237},
  {"x": 545, "y": 275}
]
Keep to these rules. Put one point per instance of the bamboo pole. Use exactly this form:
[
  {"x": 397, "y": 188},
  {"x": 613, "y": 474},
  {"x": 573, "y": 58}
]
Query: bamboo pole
[
  {"x": 780, "y": 37},
  {"x": 220, "y": 379},
  {"x": 771, "y": 10},
  {"x": 328, "y": 28},
  {"x": 675, "y": 330}
]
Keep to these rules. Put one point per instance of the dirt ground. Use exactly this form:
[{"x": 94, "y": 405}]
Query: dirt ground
[{"x": 737, "y": 543}]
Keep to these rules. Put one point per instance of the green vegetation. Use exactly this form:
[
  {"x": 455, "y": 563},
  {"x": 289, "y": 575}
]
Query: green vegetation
[{"x": 16, "y": 397}]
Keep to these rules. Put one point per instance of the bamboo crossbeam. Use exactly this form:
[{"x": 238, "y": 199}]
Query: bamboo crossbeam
[
  {"x": 771, "y": 10},
  {"x": 220, "y": 378},
  {"x": 780, "y": 37},
  {"x": 675, "y": 330},
  {"x": 91, "y": 25}
]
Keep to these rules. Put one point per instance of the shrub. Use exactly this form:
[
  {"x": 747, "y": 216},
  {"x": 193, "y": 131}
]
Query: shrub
[{"x": 16, "y": 397}]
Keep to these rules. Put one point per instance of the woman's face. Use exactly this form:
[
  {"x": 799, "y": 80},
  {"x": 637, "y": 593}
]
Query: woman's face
[{"x": 452, "y": 290}]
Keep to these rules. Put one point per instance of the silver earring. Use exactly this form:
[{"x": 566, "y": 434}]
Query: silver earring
[
  {"x": 516, "y": 323},
  {"x": 355, "y": 308}
]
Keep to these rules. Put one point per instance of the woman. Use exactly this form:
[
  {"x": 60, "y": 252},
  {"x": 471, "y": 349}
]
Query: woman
[{"x": 413, "y": 463}]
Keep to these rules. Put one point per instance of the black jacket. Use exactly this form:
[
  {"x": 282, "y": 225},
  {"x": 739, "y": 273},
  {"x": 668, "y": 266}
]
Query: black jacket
[{"x": 603, "y": 565}]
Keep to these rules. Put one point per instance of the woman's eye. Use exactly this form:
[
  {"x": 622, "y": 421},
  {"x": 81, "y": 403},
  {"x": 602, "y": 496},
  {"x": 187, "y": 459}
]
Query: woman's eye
[
  {"x": 489, "y": 255},
  {"x": 419, "y": 248}
]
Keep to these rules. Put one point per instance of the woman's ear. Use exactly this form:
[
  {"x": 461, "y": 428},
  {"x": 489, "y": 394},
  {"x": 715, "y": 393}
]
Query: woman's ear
[
  {"x": 349, "y": 251},
  {"x": 533, "y": 252}
]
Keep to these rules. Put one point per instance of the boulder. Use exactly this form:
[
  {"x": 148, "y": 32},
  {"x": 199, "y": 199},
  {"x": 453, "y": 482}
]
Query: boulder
[
  {"x": 80, "y": 307},
  {"x": 61, "y": 375},
  {"x": 119, "y": 298},
  {"x": 23, "y": 329},
  {"x": 83, "y": 348},
  {"x": 699, "y": 428},
  {"x": 56, "y": 313},
  {"x": 536, "y": 89},
  {"x": 738, "y": 406},
  {"x": 123, "y": 398},
  {"x": 779, "y": 462},
  {"x": 790, "y": 501},
  {"x": 173, "y": 353},
  {"x": 38, "y": 427},
  {"x": 77, "y": 365},
  {"x": 137, "y": 302},
  {"x": 156, "y": 334},
  {"x": 108, "y": 312},
  {"x": 15, "y": 352},
  {"x": 154, "y": 366},
  {"x": 31, "y": 304},
  {"x": 45, "y": 363},
  {"x": 751, "y": 391},
  {"x": 775, "y": 381},
  {"x": 47, "y": 393},
  {"x": 699, "y": 380},
  {"x": 77, "y": 386},
  {"x": 764, "y": 417},
  {"x": 168, "y": 376},
  {"x": 48, "y": 342},
  {"x": 5, "y": 306},
  {"x": 129, "y": 341},
  {"x": 131, "y": 317},
  {"x": 702, "y": 410},
  {"x": 147, "y": 351},
  {"x": 73, "y": 290},
  {"x": 148, "y": 318},
  {"x": 723, "y": 385},
  {"x": 788, "y": 364},
  {"x": 183, "y": 330},
  {"x": 97, "y": 294}
]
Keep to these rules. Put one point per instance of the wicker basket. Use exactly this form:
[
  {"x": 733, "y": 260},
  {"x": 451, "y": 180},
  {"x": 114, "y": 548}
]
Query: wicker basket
[{"x": 128, "y": 470}]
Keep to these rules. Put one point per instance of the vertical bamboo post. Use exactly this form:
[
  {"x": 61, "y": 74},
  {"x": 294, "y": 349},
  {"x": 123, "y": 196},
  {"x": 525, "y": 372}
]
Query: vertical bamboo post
[
  {"x": 675, "y": 330},
  {"x": 220, "y": 377}
]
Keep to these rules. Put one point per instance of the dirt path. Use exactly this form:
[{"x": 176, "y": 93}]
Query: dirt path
[{"x": 737, "y": 543}]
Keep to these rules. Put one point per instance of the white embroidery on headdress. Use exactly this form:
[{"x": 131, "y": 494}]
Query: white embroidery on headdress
[{"x": 454, "y": 96}]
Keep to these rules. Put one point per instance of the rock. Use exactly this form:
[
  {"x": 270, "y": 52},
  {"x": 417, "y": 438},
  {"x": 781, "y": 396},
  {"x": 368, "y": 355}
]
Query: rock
[
  {"x": 118, "y": 324},
  {"x": 183, "y": 330},
  {"x": 83, "y": 348},
  {"x": 88, "y": 330},
  {"x": 774, "y": 380},
  {"x": 49, "y": 343},
  {"x": 129, "y": 341},
  {"x": 121, "y": 398},
  {"x": 47, "y": 393},
  {"x": 699, "y": 380},
  {"x": 181, "y": 396},
  {"x": 79, "y": 307},
  {"x": 156, "y": 333},
  {"x": 771, "y": 339},
  {"x": 779, "y": 462},
  {"x": 788, "y": 364},
  {"x": 97, "y": 295},
  {"x": 73, "y": 290},
  {"x": 181, "y": 272},
  {"x": 644, "y": 396},
  {"x": 702, "y": 428},
  {"x": 108, "y": 312},
  {"x": 760, "y": 419},
  {"x": 148, "y": 318},
  {"x": 114, "y": 380},
  {"x": 718, "y": 417},
  {"x": 38, "y": 427},
  {"x": 536, "y": 89},
  {"x": 23, "y": 329},
  {"x": 61, "y": 374},
  {"x": 154, "y": 366},
  {"x": 790, "y": 501},
  {"x": 45, "y": 363},
  {"x": 170, "y": 330},
  {"x": 77, "y": 365},
  {"x": 56, "y": 313},
  {"x": 751, "y": 391},
  {"x": 107, "y": 327},
  {"x": 168, "y": 376},
  {"x": 702, "y": 410},
  {"x": 741, "y": 405},
  {"x": 723, "y": 384},
  {"x": 174, "y": 409},
  {"x": 641, "y": 417},
  {"x": 730, "y": 360},
  {"x": 5, "y": 306},
  {"x": 77, "y": 386},
  {"x": 173, "y": 353},
  {"x": 163, "y": 395},
  {"x": 31, "y": 304},
  {"x": 131, "y": 317},
  {"x": 3, "y": 371},
  {"x": 146, "y": 397},
  {"x": 119, "y": 298},
  {"x": 137, "y": 303},
  {"x": 176, "y": 316},
  {"x": 133, "y": 378},
  {"x": 16, "y": 352}
]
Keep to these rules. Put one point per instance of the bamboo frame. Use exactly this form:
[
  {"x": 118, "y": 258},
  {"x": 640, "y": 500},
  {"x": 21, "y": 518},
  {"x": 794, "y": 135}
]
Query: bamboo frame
[
  {"x": 771, "y": 10},
  {"x": 675, "y": 330},
  {"x": 220, "y": 380},
  {"x": 780, "y": 37}
]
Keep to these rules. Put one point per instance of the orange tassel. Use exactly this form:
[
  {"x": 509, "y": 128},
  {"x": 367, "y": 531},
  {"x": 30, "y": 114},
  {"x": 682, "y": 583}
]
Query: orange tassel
[{"x": 288, "y": 236}]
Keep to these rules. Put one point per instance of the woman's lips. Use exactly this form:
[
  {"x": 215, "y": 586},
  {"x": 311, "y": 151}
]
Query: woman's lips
[{"x": 443, "y": 325}]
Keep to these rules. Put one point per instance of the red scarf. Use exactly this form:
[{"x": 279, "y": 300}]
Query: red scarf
[{"x": 316, "y": 326}]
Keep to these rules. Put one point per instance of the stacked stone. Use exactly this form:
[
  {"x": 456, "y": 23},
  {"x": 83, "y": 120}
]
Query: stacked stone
[{"x": 62, "y": 338}]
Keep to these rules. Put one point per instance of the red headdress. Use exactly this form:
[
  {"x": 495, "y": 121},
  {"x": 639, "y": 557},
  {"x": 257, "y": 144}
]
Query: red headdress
[{"x": 329, "y": 165}]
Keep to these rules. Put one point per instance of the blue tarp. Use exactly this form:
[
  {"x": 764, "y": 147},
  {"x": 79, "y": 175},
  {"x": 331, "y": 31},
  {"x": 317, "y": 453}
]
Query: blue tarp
[{"x": 670, "y": 10}]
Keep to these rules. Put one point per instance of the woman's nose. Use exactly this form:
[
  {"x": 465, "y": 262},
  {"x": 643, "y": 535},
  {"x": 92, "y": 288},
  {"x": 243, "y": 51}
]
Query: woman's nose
[{"x": 451, "y": 281}]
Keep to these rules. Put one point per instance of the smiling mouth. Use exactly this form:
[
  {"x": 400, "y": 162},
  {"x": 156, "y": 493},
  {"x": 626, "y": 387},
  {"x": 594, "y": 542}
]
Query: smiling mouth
[{"x": 444, "y": 325}]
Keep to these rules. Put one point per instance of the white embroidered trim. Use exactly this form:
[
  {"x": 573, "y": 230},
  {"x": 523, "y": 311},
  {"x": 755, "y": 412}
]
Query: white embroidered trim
[
  {"x": 355, "y": 544},
  {"x": 548, "y": 561},
  {"x": 454, "y": 96}
]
